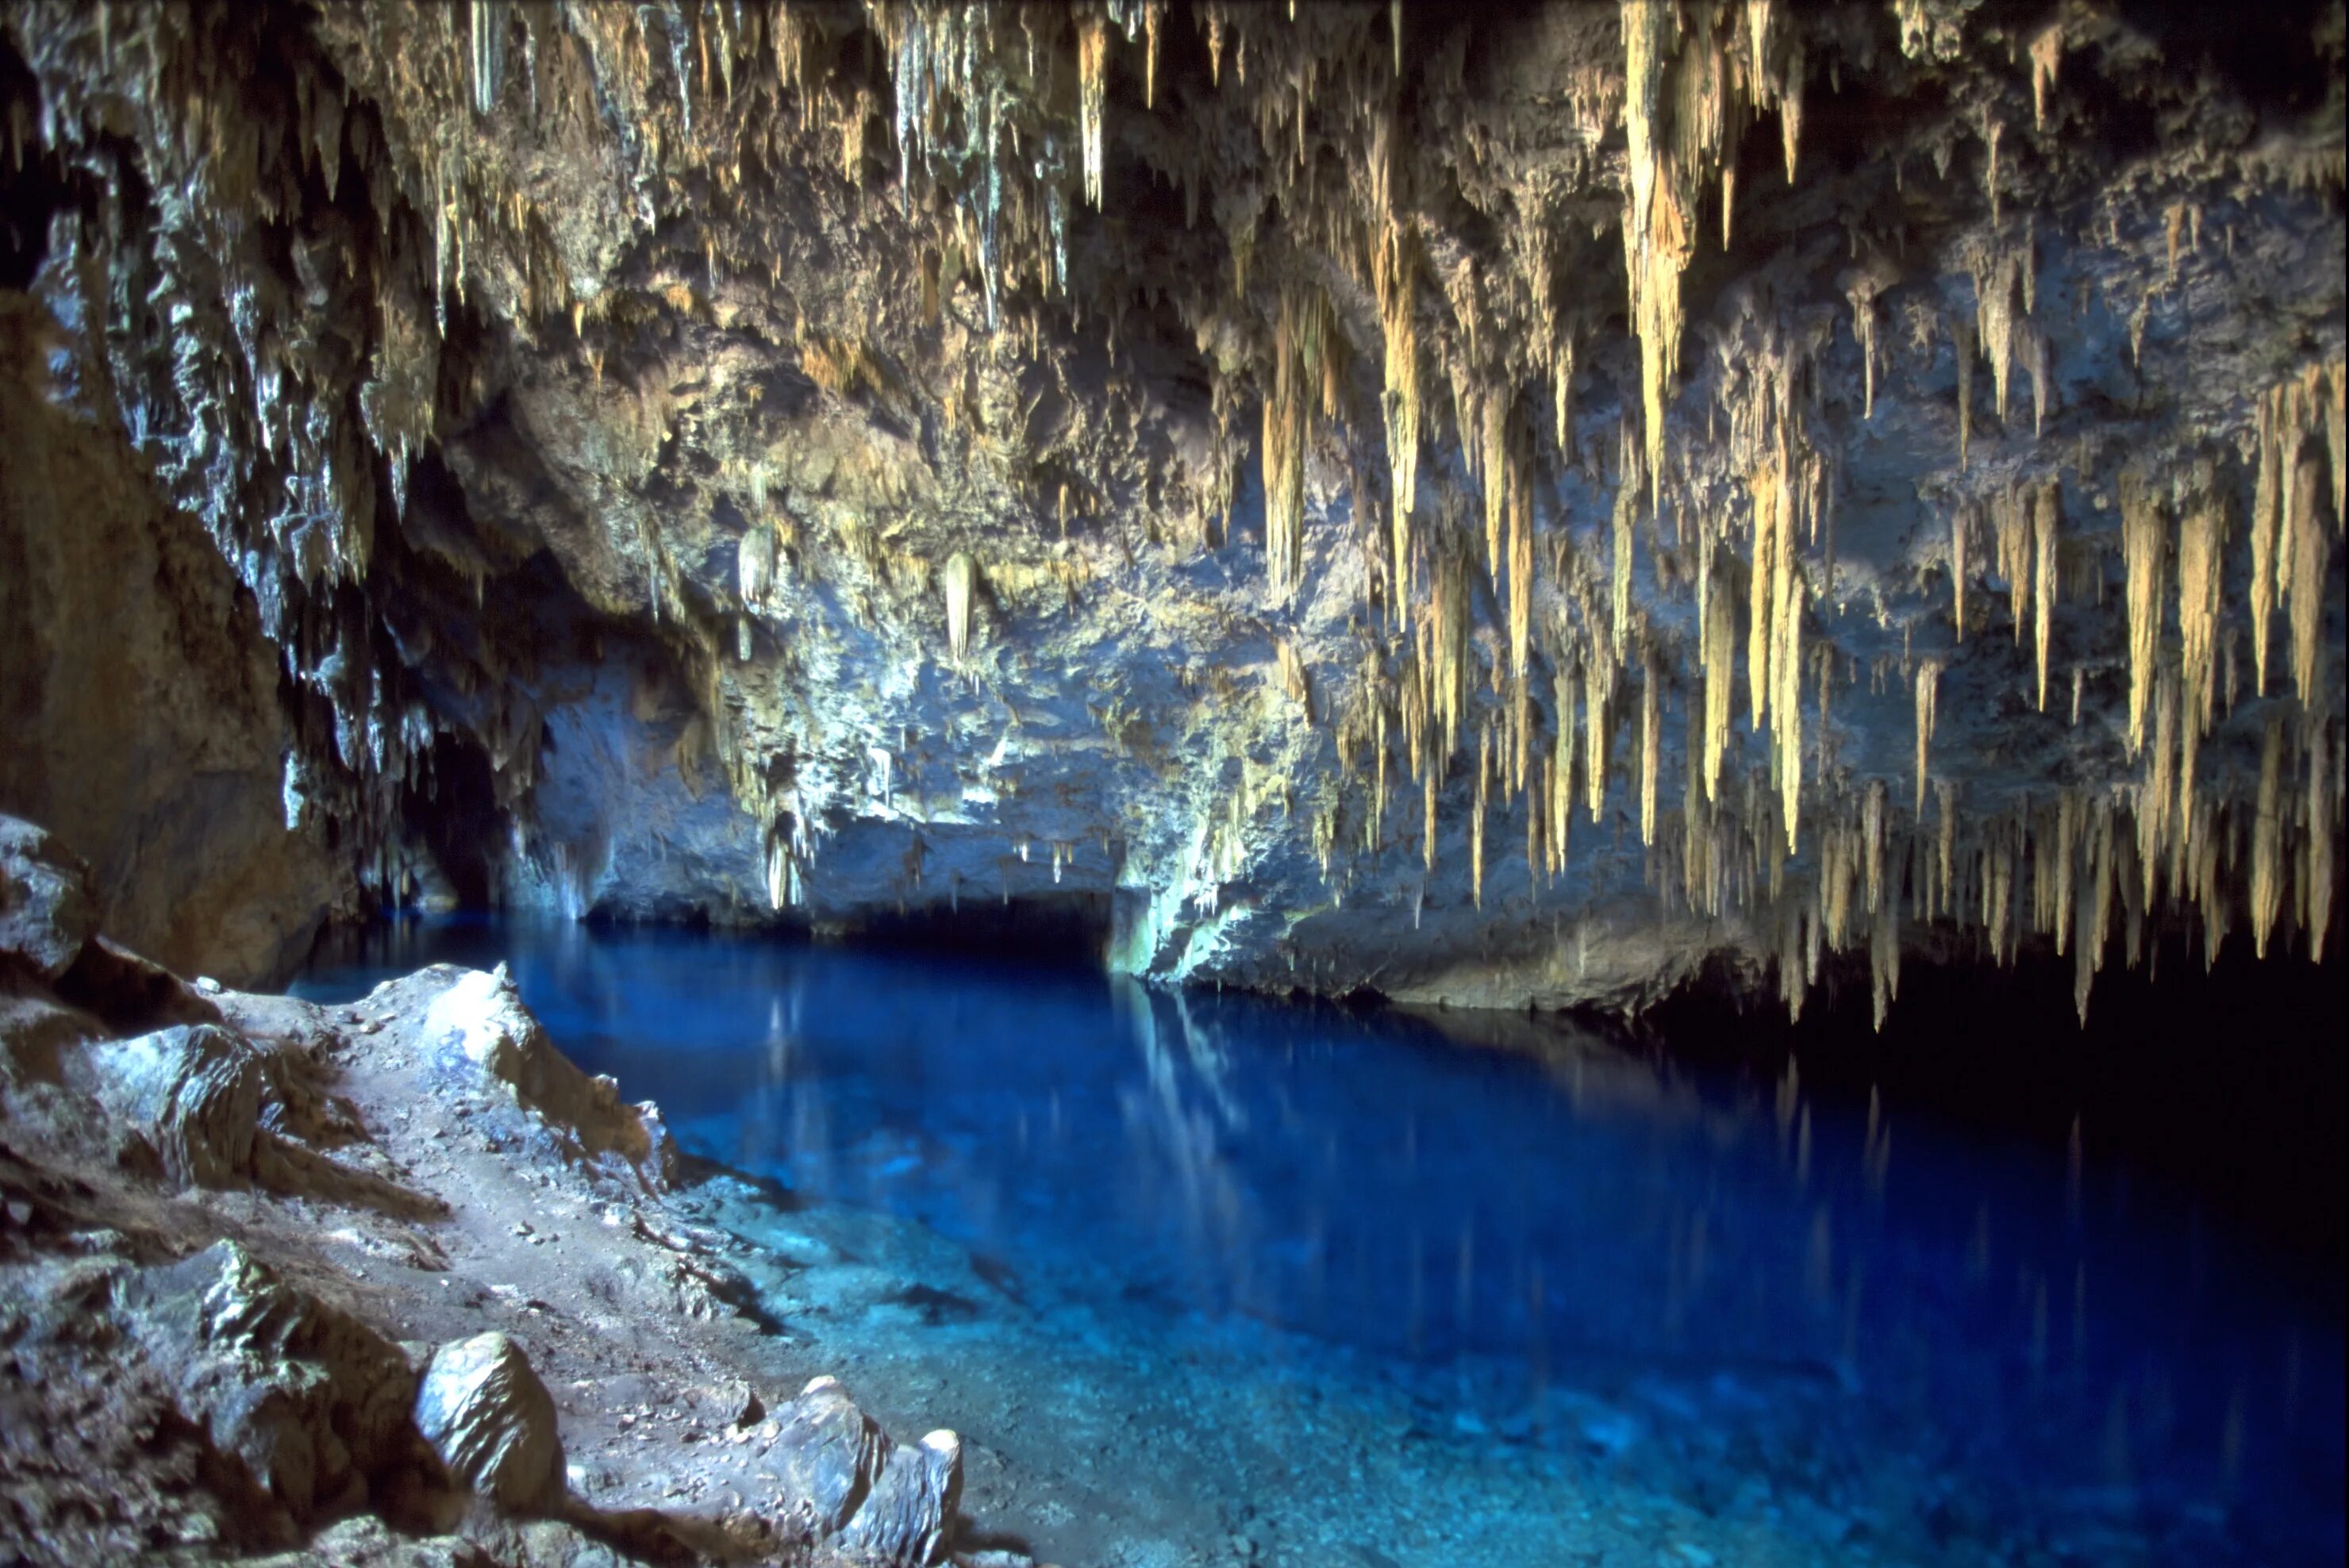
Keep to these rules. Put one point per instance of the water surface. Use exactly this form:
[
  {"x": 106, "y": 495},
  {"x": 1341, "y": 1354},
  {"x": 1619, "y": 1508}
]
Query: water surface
[{"x": 1881, "y": 1343}]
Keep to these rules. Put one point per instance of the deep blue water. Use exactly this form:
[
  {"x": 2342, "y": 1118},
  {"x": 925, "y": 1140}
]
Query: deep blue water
[{"x": 1499, "y": 1230}]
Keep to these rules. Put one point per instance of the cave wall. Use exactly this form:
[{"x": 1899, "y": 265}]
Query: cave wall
[
  {"x": 138, "y": 698},
  {"x": 1496, "y": 509}
]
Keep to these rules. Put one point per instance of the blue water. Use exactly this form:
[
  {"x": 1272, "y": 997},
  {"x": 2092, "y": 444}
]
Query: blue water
[{"x": 1510, "y": 1234}]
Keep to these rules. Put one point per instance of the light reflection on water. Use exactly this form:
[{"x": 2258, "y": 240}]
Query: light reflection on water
[{"x": 1506, "y": 1231}]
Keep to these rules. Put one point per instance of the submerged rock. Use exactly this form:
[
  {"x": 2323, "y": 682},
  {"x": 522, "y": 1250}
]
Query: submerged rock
[{"x": 491, "y": 1421}]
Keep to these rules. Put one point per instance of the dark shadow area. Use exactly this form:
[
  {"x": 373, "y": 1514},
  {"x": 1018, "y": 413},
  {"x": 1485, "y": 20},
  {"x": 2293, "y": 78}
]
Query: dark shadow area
[
  {"x": 1065, "y": 930},
  {"x": 2228, "y": 1083}
]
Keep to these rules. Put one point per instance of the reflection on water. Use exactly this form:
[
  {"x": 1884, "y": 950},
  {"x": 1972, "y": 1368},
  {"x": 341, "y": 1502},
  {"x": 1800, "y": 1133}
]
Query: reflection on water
[{"x": 1512, "y": 1231}]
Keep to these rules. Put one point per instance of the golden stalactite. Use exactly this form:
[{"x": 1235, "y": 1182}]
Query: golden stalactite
[
  {"x": 2267, "y": 839},
  {"x": 2309, "y": 548},
  {"x": 2144, "y": 540},
  {"x": 1092, "y": 95},
  {"x": 2324, "y": 805},
  {"x": 1719, "y": 646},
  {"x": 1598, "y": 696},
  {"x": 2047, "y": 513},
  {"x": 1651, "y": 744},
  {"x": 1657, "y": 230},
  {"x": 2046, "y": 60},
  {"x": 1929, "y": 682}
]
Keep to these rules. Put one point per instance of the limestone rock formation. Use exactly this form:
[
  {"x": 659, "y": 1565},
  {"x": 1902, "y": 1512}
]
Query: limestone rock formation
[
  {"x": 1485, "y": 506},
  {"x": 48, "y": 910},
  {"x": 229, "y": 1245},
  {"x": 479, "y": 1020},
  {"x": 312, "y": 1401},
  {"x": 491, "y": 1421},
  {"x": 194, "y": 1092},
  {"x": 881, "y": 1502},
  {"x": 138, "y": 698}
]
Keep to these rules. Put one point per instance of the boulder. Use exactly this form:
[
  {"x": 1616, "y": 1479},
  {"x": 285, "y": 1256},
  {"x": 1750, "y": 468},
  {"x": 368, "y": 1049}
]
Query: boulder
[
  {"x": 830, "y": 1451},
  {"x": 912, "y": 1508},
  {"x": 48, "y": 902},
  {"x": 194, "y": 1091},
  {"x": 484, "y": 1411},
  {"x": 876, "y": 1500}
]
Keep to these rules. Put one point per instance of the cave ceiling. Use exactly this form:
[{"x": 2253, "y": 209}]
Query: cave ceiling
[{"x": 1490, "y": 506}]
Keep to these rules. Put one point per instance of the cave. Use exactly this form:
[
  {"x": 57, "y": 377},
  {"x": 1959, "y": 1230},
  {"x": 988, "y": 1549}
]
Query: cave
[{"x": 1347, "y": 784}]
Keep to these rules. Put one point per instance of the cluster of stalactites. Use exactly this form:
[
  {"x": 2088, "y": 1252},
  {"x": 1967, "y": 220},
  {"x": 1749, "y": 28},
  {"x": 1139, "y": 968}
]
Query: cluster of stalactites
[
  {"x": 2289, "y": 544},
  {"x": 1687, "y": 85}
]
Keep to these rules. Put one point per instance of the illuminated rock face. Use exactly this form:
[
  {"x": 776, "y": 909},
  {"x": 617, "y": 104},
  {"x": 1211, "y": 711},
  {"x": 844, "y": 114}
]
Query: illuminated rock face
[{"x": 1495, "y": 509}]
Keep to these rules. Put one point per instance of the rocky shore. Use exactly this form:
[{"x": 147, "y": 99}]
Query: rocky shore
[{"x": 394, "y": 1283}]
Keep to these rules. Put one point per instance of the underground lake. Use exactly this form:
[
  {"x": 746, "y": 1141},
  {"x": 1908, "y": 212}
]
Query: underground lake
[{"x": 1338, "y": 1285}]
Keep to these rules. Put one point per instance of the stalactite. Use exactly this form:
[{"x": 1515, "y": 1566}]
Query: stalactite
[
  {"x": 1963, "y": 335},
  {"x": 1719, "y": 652},
  {"x": 1620, "y": 601},
  {"x": 1651, "y": 742},
  {"x": 1284, "y": 450},
  {"x": 1960, "y": 526},
  {"x": 2316, "y": 877},
  {"x": 2047, "y": 59},
  {"x": 2310, "y": 544},
  {"x": 2267, "y": 507},
  {"x": 2158, "y": 812},
  {"x": 1657, "y": 240},
  {"x": 961, "y": 578},
  {"x": 2143, "y": 541},
  {"x": 1476, "y": 821},
  {"x": 1598, "y": 678},
  {"x": 2046, "y": 512},
  {"x": 1862, "y": 295},
  {"x": 1928, "y": 681},
  {"x": 1561, "y": 784},
  {"x": 1093, "y": 94},
  {"x": 2267, "y": 839},
  {"x": 1401, "y": 398}
]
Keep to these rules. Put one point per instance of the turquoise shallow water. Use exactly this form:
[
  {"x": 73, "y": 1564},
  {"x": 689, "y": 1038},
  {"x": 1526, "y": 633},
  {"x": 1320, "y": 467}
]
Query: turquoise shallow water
[{"x": 1953, "y": 1349}]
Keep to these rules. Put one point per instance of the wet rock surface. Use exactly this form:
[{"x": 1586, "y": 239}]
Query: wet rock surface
[{"x": 328, "y": 1283}]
